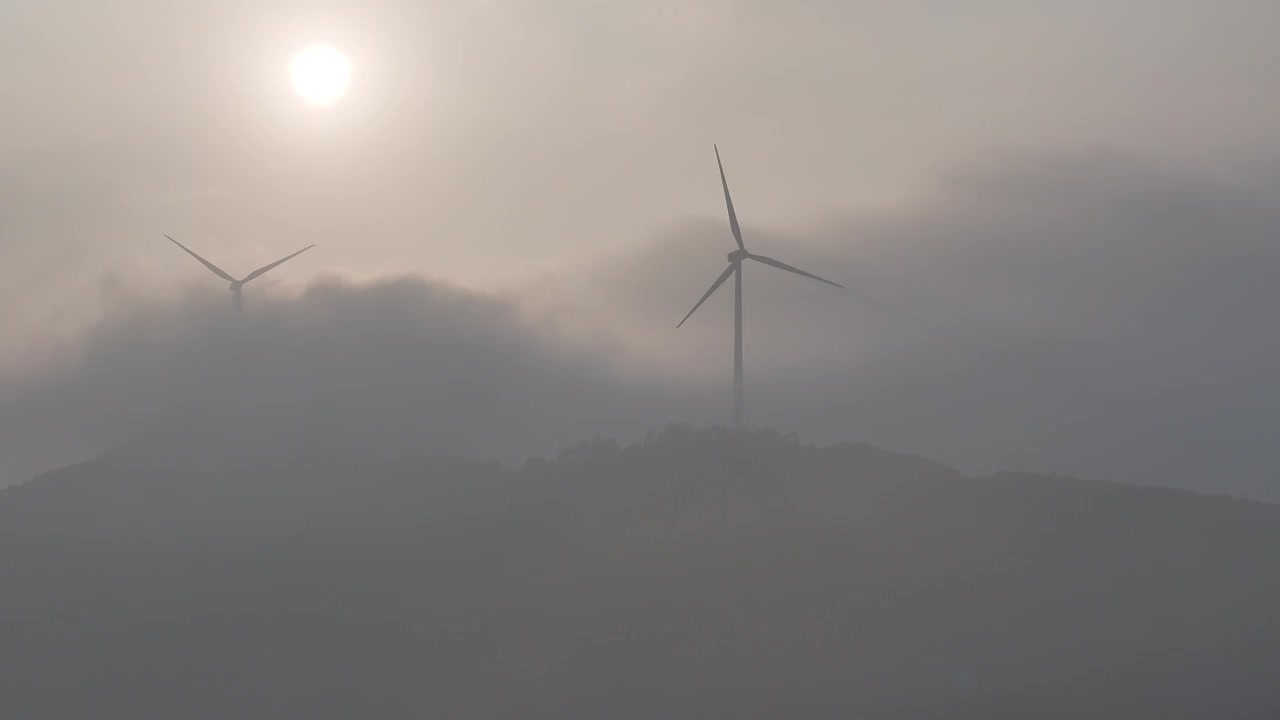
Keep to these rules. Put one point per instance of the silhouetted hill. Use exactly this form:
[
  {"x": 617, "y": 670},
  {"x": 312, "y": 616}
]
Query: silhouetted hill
[{"x": 700, "y": 574}]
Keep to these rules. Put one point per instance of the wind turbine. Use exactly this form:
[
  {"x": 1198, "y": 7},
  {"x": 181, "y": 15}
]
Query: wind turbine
[
  {"x": 735, "y": 269},
  {"x": 236, "y": 300}
]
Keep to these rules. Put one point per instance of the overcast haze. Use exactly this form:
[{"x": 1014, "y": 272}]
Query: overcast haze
[
  {"x": 1056, "y": 220},
  {"x": 457, "y": 459}
]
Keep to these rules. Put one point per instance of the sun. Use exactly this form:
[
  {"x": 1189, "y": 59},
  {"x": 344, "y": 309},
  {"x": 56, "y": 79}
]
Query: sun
[{"x": 321, "y": 74}]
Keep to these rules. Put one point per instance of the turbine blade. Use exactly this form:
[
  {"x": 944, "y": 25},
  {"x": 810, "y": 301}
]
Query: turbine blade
[
  {"x": 266, "y": 268},
  {"x": 216, "y": 270},
  {"x": 728, "y": 201},
  {"x": 788, "y": 268},
  {"x": 719, "y": 281}
]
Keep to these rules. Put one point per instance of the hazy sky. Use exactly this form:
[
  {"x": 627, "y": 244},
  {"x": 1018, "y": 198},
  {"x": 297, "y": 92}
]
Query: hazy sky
[
  {"x": 999, "y": 172},
  {"x": 482, "y": 140}
]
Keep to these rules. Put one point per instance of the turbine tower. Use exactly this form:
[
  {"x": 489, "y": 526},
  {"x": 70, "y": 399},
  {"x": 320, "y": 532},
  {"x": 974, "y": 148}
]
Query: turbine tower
[
  {"x": 735, "y": 269},
  {"x": 236, "y": 300}
]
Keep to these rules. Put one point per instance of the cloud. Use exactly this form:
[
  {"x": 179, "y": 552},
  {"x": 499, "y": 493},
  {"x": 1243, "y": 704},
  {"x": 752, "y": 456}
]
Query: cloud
[
  {"x": 394, "y": 366},
  {"x": 1085, "y": 312},
  {"x": 1088, "y": 313}
]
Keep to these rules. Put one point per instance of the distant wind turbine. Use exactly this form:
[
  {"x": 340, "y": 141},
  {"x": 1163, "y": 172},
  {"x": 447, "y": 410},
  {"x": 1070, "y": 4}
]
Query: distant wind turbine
[
  {"x": 236, "y": 300},
  {"x": 735, "y": 269}
]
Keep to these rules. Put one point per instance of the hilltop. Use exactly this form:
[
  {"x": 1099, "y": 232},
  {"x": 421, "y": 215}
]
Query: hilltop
[{"x": 700, "y": 573}]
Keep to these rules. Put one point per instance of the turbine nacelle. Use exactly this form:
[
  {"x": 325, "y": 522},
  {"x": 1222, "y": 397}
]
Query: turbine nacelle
[{"x": 738, "y": 255}]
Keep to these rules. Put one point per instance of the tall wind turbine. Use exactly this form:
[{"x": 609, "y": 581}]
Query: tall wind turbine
[
  {"x": 735, "y": 269},
  {"x": 236, "y": 300}
]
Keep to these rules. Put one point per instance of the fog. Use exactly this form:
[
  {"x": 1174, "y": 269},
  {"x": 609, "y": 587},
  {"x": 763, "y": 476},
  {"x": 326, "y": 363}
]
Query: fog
[
  {"x": 457, "y": 459},
  {"x": 1053, "y": 217},
  {"x": 1088, "y": 312},
  {"x": 482, "y": 141},
  {"x": 392, "y": 366}
]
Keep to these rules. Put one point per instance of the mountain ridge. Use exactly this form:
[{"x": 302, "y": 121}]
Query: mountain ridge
[{"x": 698, "y": 573}]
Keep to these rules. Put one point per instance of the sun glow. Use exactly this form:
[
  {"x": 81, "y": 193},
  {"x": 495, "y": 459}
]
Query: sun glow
[{"x": 321, "y": 74}]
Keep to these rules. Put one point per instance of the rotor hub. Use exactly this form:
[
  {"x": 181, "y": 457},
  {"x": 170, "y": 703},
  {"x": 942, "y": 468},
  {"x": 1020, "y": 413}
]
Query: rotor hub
[{"x": 738, "y": 255}]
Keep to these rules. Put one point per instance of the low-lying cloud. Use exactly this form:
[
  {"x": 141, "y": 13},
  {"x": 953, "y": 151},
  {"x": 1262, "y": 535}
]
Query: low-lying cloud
[
  {"x": 1089, "y": 313},
  {"x": 1085, "y": 313},
  {"x": 395, "y": 366}
]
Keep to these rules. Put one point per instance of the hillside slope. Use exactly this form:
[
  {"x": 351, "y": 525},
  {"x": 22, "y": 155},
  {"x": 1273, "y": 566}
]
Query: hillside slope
[{"x": 699, "y": 574}]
